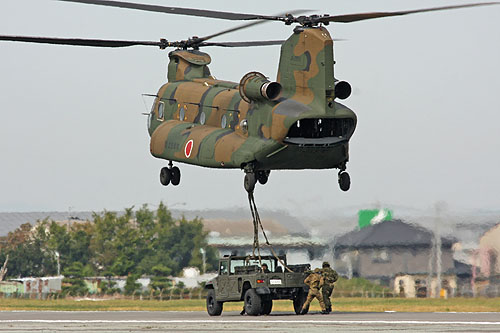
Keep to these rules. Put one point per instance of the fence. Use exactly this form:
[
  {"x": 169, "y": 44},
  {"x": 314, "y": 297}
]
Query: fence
[{"x": 200, "y": 293}]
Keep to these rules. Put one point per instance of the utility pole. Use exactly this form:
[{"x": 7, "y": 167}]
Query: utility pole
[
  {"x": 203, "y": 253},
  {"x": 439, "y": 209},
  {"x": 58, "y": 264}
]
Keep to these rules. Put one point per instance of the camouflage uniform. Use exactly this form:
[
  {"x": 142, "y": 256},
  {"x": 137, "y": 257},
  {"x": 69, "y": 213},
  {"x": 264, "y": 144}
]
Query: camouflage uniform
[
  {"x": 315, "y": 282},
  {"x": 330, "y": 276}
]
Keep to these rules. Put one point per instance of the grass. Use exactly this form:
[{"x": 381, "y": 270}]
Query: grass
[{"x": 348, "y": 304}]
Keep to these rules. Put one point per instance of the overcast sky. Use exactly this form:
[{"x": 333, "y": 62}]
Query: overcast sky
[{"x": 426, "y": 93}]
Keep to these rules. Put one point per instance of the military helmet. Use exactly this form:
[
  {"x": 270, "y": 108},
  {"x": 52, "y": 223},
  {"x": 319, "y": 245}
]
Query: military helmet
[{"x": 326, "y": 264}]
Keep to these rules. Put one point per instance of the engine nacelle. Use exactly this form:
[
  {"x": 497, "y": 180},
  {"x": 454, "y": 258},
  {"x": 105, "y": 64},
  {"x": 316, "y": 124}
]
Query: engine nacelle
[
  {"x": 255, "y": 86},
  {"x": 342, "y": 89}
]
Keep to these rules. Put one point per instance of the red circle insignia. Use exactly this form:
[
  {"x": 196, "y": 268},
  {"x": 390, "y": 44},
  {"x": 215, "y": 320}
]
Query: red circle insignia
[{"x": 188, "y": 148}]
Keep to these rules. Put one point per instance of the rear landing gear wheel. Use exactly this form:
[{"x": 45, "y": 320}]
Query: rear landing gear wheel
[
  {"x": 165, "y": 176},
  {"x": 263, "y": 176},
  {"x": 249, "y": 182},
  {"x": 344, "y": 181},
  {"x": 176, "y": 176}
]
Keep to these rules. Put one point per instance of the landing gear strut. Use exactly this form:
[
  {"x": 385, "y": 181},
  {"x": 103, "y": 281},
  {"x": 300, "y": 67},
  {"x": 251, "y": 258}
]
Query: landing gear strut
[{"x": 170, "y": 174}]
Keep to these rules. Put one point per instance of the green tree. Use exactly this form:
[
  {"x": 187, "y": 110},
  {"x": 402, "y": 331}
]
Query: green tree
[
  {"x": 131, "y": 285},
  {"x": 79, "y": 246},
  {"x": 73, "y": 283},
  {"x": 28, "y": 254},
  {"x": 160, "y": 281},
  {"x": 102, "y": 241},
  {"x": 130, "y": 243},
  {"x": 108, "y": 287}
]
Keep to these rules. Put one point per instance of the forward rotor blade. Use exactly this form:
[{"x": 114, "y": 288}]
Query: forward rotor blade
[
  {"x": 244, "y": 44},
  {"x": 175, "y": 10},
  {"x": 368, "y": 16},
  {"x": 82, "y": 42}
]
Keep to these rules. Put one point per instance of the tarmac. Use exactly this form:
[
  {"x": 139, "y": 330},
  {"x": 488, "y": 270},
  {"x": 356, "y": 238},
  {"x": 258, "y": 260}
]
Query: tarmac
[{"x": 183, "y": 321}]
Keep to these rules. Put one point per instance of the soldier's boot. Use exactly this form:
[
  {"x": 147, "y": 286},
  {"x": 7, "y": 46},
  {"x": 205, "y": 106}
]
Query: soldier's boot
[
  {"x": 324, "y": 312},
  {"x": 329, "y": 309}
]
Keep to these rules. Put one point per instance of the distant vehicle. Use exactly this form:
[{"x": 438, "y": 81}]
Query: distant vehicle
[{"x": 242, "y": 278}]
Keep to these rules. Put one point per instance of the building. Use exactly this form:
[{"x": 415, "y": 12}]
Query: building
[
  {"x": 486, "y": 264},
  {"x": 39, "y": 285},
  {"x": 399, "y": 255},
  {"x": 489, "y": 252}
]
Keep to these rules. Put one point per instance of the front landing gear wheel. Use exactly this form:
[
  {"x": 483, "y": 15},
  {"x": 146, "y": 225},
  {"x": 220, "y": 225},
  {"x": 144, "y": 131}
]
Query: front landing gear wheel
[
  {"x": 249, "y": 182},
  {"x": 169, "y": 175},
  {"x": 344, "y": 181},
  {"x": 176, "y": 176},
  {"x": 165, "y": 176}
]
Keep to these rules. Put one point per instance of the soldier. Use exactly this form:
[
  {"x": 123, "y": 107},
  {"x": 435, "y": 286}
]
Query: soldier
[
  {"x": 265, "y": 269},
  {"x": 330, "y": 276},
  {"x": 315, "y": 282}
]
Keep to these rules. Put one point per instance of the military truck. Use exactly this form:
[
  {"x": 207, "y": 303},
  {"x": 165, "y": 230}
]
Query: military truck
[{"x": 242, "y": 278}]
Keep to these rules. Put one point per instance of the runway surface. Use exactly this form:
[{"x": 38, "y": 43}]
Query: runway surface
[{"x": 172, "y": 321}]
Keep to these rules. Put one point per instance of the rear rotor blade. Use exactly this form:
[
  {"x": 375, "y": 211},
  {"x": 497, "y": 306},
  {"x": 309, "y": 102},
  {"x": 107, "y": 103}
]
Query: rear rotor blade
[
  {"x": 249, "y": 43},
  {"x": 368, "y": 16},
  {"x": 247, "y": 25},
  {"x": 244, "y": 44},
  {"x": 175, "y": 10},
  {"x": 82, "y": 42}
]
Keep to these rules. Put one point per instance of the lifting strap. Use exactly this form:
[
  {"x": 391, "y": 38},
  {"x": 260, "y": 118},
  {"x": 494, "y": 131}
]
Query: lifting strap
[{"x": 256, "y": 223}]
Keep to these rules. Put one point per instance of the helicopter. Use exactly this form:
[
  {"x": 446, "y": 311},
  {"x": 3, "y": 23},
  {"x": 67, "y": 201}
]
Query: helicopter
[{"x": 256, "y": 125}]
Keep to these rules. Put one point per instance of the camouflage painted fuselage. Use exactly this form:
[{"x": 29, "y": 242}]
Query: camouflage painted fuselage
[{"x": 199, "y": 120}]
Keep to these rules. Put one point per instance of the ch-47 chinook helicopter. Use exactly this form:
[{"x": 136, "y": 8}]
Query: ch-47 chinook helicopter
[{"x": 256, "y": 125}]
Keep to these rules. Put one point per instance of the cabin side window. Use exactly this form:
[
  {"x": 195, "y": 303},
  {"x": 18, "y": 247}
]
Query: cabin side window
[
  {"x": 223, "y": 121},
  {"x": 161, "y": 110},
  {"x": 182, "y": 113}
]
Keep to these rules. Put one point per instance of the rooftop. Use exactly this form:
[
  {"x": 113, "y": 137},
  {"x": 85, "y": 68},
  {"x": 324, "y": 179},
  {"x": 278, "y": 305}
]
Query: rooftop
[{"x": 387, "y": 234}]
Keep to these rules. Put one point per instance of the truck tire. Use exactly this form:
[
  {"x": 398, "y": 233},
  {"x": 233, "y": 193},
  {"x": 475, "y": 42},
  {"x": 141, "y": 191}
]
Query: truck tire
[
  {"x": 267, "y": 307},
  {"x": 299, "y": 301},
  {"x": 214, "y": 308},
  {"x": 253, "y": 302}
]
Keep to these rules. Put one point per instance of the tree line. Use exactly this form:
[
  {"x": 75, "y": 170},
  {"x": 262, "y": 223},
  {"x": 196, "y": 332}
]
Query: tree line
[{"x": 136, "y": 243}]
